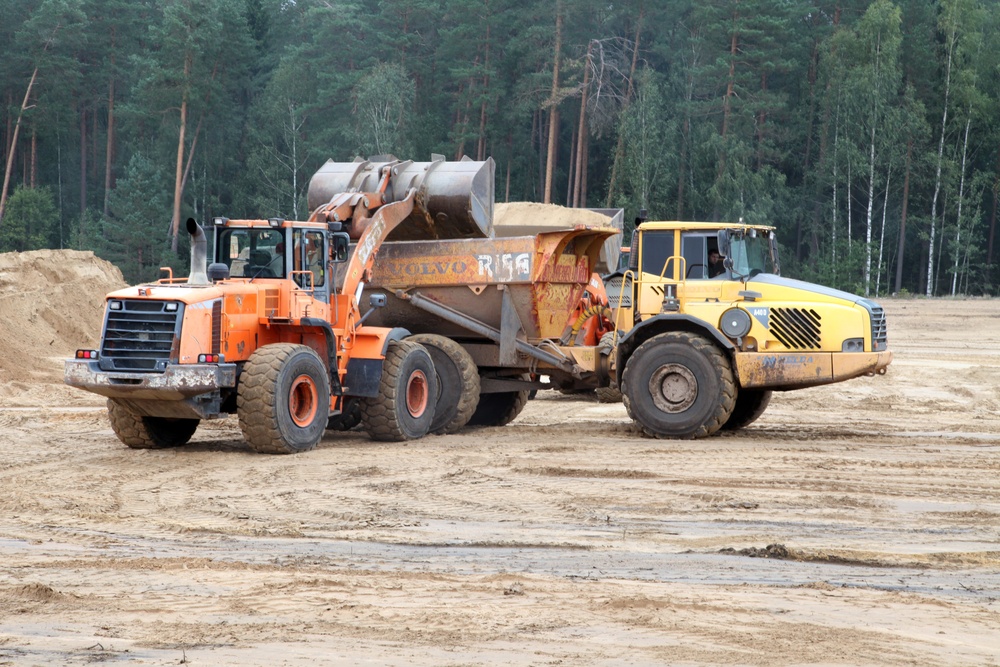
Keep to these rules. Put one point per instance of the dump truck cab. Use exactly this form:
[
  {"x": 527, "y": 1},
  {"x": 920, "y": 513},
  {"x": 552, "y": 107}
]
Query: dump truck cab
[{"x": 774, "y": 333}]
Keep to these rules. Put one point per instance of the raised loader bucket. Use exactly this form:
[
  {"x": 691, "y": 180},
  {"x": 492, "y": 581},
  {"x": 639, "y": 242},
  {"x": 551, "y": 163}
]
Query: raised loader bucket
[{"x": 454, "y": 199}]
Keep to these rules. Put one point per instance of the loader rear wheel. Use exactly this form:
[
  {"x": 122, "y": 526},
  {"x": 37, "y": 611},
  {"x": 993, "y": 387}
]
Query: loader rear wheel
[
  {"x": 750, "y": 404},
  {"x": 458, "y": 382},
  {"x": 139, "y": 432},
  {"x": 404, "y": 406},
  {"x": 679, "y": 385},
  {"x": 499, "y": 409},
  {"x": 283, "y": 400}
]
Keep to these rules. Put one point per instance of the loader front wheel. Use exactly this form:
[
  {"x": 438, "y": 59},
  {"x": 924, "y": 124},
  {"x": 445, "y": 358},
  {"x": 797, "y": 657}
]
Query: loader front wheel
[
  {"x": 679, "y": 385},
  {"x": 750, "y": 404},
  {"x": 404, "y": 406},
  {"x": 457, "y": 379},
  {"x": 283, "y": 400},
  {"x": 139, "y": 432},
  {"x": 499, "y": 409}
]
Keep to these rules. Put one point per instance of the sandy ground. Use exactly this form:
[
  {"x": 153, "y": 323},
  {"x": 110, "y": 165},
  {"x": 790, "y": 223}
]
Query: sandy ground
[{"x": 564, "y": 538}]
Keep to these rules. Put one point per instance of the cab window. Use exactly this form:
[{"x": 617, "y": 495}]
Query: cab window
[
  {"x": 252, "y": 253},
  {"x": 657, "y": 248},
  {"x": 308, "y": 255}
]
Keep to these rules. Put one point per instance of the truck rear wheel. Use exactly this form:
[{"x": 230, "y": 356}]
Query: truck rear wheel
[
  {"x": 499, "y": 409},
  {"x": 404, "y": 406},
  {"x": 679, "y": 385},
  {"x": 750, "y": 404},
  {"x": 458, "y": 382},
  {"x": 139, "y": 432},
  {"x": 283, "y": 400}
]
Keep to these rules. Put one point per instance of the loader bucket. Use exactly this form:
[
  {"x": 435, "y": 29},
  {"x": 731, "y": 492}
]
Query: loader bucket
[{"x": 454, "y": 199}]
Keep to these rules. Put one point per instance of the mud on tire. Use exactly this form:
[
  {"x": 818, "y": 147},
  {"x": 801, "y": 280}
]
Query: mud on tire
[
  {"x": 458, "y": 382},
  {"x": 139, "y": 432},
  {"x": 404, "y": 406},
  {"x": 679, "y": 385},
  {"x": 283, "y": 400}
]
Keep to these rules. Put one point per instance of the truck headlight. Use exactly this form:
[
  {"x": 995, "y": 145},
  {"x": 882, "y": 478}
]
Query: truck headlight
[{"x": 853, "y": 345}]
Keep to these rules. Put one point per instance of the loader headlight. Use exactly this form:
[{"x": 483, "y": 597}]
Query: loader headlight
[
  {"x": 171, "y": 307},
  {"x": 115, "y": 305}
]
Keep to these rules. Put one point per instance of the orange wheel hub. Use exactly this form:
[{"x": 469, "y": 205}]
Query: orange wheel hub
[
  {"x": 416, "y": 394},
  {"x": 303, "y": 401}
]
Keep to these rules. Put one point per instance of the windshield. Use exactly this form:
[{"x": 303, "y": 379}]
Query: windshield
[
  {"x": 752, "y": 252},
  {"x": 252, "y": 253}
]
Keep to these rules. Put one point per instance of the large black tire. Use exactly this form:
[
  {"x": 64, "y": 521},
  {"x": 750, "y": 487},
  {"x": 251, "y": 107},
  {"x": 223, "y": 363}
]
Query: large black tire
[
  {"x": 404, "y": 406},
  {"x": 139, "y": 432},
  {"x": 750, "y": 404},
  {"x": 458, "y": 382},
  {"x": 679, "y": 385},
  {"x": 348, "y": 418},
  {"x": 612, "y": 393},
  {"x": 499, "y": 409},
  {"x": 609, "y": 394},
  {"x": 283, "y": 399}
]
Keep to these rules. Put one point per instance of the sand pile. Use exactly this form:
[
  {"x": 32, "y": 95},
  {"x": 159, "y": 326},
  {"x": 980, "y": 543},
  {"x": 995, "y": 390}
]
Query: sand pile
[
  {"x": 51, "y": 303},
  {"x": 530, "y": 218},
  {"x": 517, "y": 218}
]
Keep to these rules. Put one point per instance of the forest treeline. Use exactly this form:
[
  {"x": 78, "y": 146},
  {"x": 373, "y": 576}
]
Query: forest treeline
[{"x": 867, "y": 133}]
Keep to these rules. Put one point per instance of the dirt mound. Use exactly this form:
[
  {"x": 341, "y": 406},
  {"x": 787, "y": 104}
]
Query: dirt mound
[
  {"x": 509, "y": 219},
  {"x": 52, "y": 303}
]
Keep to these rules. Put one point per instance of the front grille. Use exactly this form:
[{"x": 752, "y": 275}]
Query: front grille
[
  {"x": 614, "y": 290},
  {"x": 139, "y": 336},
  {"x": 796, "y": 328},
  {"x": 880, "y": 331}
]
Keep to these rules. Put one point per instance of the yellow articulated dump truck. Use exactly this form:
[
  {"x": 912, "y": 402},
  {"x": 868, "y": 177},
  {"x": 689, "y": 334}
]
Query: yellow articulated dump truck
[
  {"x": 708, "y": 328},
  {"x": 696, "y": 333}
]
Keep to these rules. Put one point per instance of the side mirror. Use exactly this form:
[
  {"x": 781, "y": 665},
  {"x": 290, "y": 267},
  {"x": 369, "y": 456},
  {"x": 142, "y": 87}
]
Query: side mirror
[
  {"x": 723, "y": 237},
  {"x": 340, "y": 244}
]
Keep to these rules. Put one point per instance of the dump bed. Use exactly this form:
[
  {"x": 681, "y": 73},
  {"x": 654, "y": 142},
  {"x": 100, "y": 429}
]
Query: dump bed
[{"x": 544, "y": 275}]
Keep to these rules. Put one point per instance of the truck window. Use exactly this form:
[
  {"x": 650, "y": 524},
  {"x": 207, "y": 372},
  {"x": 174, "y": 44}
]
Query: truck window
[
  {"x": 694, "y": 249},
  {"x": 657, "y": 248}
]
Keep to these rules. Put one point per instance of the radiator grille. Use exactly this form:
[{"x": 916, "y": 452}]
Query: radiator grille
[
  {"x": 139, "y": 336},
  {"x": 796, "y": 328},
  {"x": 880, "y": 331}
]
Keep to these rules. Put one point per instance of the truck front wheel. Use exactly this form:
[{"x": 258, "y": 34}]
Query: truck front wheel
[
  {"x": 404, "y": 406},
  {"x": 283, "y": 400},
  {"x": 679, "y": 385}
]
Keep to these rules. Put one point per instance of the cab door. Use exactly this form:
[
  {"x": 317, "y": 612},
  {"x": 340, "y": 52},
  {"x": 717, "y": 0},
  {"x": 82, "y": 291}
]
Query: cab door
[{"x": 658, "y": 270}]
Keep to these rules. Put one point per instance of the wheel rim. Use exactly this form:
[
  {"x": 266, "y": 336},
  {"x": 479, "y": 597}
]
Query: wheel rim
[
  {"x": 673, "y": 387},
  {"x": 303, "y": 401},
  {"x": 416, "y": 394}
]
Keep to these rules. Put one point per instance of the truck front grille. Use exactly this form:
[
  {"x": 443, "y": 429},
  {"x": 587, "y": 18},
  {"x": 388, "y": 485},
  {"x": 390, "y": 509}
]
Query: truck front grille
[
  {"x": 796, "y": 328},
  {"x": 140, "y": 336},
  {"x": 880, "y": 331}
]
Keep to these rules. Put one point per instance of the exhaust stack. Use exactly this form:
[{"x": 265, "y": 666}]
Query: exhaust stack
[{"x": 199, "y": 254}]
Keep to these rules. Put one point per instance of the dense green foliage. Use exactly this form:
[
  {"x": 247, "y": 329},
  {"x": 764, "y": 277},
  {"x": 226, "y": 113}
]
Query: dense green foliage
[{"x": 867, "y": 133}]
